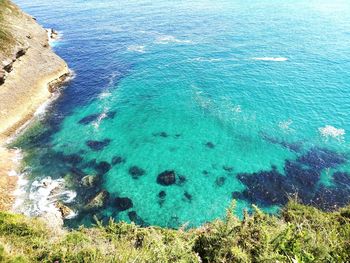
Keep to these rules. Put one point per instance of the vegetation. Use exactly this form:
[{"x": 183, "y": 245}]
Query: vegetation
[
  {"x": 6, "y": 39},
  {"x": 299, "y": 234}
]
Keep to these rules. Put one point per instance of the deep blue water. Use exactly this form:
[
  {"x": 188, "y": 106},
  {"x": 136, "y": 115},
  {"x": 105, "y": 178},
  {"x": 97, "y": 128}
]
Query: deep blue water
[{"x": 245, "y": 100}]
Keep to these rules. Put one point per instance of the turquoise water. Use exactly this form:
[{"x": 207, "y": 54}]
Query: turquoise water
[{"x": 218, "y": 92}]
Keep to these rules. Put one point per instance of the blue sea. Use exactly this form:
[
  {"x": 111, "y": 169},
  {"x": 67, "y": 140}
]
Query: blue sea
[{"x": 180, "y": 107}]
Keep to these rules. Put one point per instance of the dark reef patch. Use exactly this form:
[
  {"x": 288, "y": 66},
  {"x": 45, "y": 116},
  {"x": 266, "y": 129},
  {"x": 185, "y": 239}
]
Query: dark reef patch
[
  {"x": 166, "y": 178},
  {"x": 205, "y": 172},
  {"x": 220, "y": 181},
  {"x": 88, "y": 119},
  {"x": 103, "y": 167},
  {"x": 188, "y": 196},
  {"x": 136, "y": 172},
  {"x": 93, "y": 117},
  {"x": 123, "y": 203},
  {"x": 227, "y": 168},
  {"x": 181, "y": 180},
  {"x": 319, "y": 158},
  {"x": 97, "y": 145},
  {"x": 292, "y": 146},
  {"x": 117, "y": 160},
  {"x": 210, "y": 145},
  {"x": 162, "y": 134},
  {"x": 342, "y": 179},
  {"x": 300, "y": 179},
  {"x": 90, "y": 164},
  {"x": 76, "y": 171},
  {"x": 161, "y": 196},
  {"x": 72, "y": 159}
]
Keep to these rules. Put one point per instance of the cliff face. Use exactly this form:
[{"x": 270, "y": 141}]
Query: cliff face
[
  {"x": 28, "y": 65},
  {"x": 29, "y": 72}
]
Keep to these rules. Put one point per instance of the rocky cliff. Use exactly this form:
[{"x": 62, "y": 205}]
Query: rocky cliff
[{"x": 29, "y": 73}]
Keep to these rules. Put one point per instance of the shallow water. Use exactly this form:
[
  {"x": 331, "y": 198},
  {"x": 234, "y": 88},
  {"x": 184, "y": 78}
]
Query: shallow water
[{"x": 241, "y": 100}]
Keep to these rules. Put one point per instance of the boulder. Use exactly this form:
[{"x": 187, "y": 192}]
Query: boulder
[
  {"x": 89, "y": 180},
  {"x": 98, "y": 201},
  {"x": 63, "y": 209},
  {"x": 166, "y": 178}
]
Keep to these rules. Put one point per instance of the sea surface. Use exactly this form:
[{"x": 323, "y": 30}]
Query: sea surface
[{"x": 179, "y": 107}]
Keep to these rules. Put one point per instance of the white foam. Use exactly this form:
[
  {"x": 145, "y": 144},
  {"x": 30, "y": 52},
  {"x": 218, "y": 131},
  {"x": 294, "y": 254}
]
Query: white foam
[
  {"x": 137, "y": 48},
  {"x": 274, "y": 59},
  {"x": 53, "y": 41},
  {"x": 202, "y": 59},
  {"x": 166, "y": 39},
  {"x": 236, "y": 109},
  {"x": 40, "y": 196},
  {"x": 105, "y": 94},
  {"x": 331, "y": 132},
  {"x": 285, "y": 125},
  {"x": 102, "y": 116}
]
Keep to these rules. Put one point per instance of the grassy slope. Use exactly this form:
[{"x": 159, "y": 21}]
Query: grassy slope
[
  {"x": 300, "y": 234},
  {"x": 6, "y": 39}
]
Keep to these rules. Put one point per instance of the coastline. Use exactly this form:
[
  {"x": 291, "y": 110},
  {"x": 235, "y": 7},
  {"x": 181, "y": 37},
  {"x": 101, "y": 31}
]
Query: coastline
[{"x": 33, "y": 72}]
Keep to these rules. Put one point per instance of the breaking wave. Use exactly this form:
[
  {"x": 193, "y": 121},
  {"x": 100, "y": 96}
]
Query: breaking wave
[
  {"x": 274, "y": 59},
  {"x": 331, "y": 132}
]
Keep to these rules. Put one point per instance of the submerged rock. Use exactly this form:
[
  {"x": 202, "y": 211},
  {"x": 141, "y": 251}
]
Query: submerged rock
[
  {"x": 78, "y": 172},
  {"x": 103, "y": 167},
  {"x": 117, "y": 160},
  {"x": 166, "y": 178},
  {"x": 236, "y": 195},
  {"x": 94, "y": 117},
  {"x": 136, "y": 172},
  {"x": 90, "y": 164},
  {"x": 88, "y": 119},
  {"x": 220, "y": 181},
  {"x": 134, "y": 217},
  {"x": 162, "y": 194},
  {"x": 123, "y": 203},
  {"x": 228, "y": 169},
  {"x": 188, "y": 196},
  {"x": 319, "y": 158},
  {"x": 182, "y": 180},
  {"x": 98, "y": 201},
  {"x": 73, "y": 159},
  {"x": 292, "y": 146},
  {"x": 97, "y": 145},
  {"x": 210, "y": 145},
  {"x": 342, "y": 179},
  {"x": 161, "y": 134}
]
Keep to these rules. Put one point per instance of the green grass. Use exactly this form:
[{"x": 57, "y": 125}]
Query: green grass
[{"x": 299, "y": 234}]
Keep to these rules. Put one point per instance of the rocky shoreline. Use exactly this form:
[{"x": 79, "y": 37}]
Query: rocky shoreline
[{"x": 30, "y": 72}]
